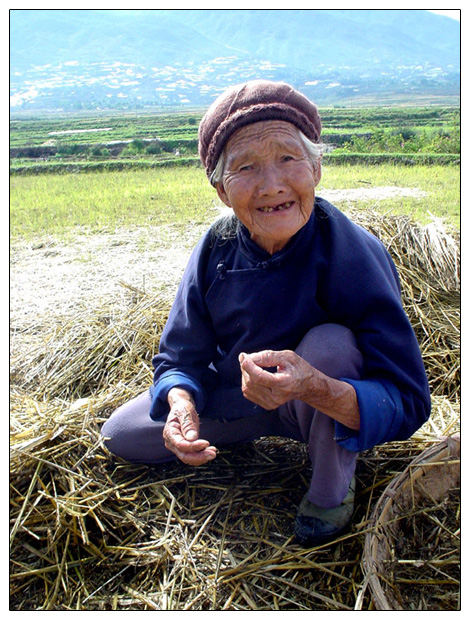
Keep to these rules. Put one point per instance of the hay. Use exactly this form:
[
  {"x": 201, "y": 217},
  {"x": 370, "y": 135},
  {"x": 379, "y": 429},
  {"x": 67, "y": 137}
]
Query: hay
[
  {"x": 94, "y": 348},
  {"x": 412, "y": 553},
  {"x": 428, "y": 262},
  {"x": 430, "y": 556},
  {"x": 97, "y": 347},
  {"x": 91, "y": 532}
]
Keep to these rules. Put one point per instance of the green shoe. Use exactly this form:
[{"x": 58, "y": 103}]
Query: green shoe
[{"x": 315, "y": 525}]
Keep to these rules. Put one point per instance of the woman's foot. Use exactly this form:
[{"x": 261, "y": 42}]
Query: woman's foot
[{"x": 315, "y": 525}]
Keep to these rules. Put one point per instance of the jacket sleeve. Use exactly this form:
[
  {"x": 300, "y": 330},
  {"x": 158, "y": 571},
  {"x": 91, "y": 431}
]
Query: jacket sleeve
[
  {"x": 188, "y": 342},
  {"x": 393, "y": 392}
]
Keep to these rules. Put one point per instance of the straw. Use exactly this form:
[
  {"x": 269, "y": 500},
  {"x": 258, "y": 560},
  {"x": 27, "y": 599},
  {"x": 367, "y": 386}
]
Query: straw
[
  {"x": 412, "y": 553},
  {"x": 91, "y": 532}
]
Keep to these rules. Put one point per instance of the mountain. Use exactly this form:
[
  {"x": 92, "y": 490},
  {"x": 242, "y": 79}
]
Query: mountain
[{"x": 136, "y": 59}]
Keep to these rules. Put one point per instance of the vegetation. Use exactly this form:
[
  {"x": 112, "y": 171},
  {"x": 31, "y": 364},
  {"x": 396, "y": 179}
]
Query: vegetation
[
  {"x": 130, "y": 160},
  {"x": 108, "y": 142},
  {"x": 440, "y": 185},
  {"x": 57, "y": 203}
]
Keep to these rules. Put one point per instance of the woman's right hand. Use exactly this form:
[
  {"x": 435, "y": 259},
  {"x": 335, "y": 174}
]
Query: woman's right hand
[{"x": 181, "y": 431}]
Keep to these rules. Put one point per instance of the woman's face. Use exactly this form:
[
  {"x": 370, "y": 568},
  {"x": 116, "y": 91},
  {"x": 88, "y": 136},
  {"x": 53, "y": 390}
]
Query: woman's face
[{"x": 269, "y": 181}]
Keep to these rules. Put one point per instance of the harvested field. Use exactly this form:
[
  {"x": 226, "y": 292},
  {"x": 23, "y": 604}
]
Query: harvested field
[{"x": 91, "y": 532}]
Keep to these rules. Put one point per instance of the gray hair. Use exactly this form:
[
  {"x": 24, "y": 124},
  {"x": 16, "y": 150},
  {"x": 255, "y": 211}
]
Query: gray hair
[{"x": 314, "y": 151}]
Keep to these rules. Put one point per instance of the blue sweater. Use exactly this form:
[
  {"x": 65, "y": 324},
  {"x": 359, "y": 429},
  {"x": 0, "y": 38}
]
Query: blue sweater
[{"x": 236, "y": 297}]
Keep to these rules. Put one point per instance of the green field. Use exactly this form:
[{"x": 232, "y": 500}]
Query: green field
[
  {"x": 138, "y": 170},
  {"x": 57, "y": 203},
  {"x": 97, "y": 129},
  {"x": 106, "y": 142}
]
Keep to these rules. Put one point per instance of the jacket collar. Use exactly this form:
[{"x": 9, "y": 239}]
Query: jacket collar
[{"x": 296, "y": 245}]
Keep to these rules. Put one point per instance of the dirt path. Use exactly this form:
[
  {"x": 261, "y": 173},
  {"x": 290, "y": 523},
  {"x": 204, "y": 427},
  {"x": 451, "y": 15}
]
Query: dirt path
[{"x": 50, "y": 278}]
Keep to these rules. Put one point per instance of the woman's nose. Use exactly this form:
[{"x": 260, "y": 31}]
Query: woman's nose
[{"x": 271, "y": 181}]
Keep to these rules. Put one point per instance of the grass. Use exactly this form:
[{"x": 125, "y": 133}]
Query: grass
[
  {"x": 59, "y": 203},
  {"x": 437, "y": 181},
  {"x": 34, "y": 131},
  {"x": 105, "y": 200}
]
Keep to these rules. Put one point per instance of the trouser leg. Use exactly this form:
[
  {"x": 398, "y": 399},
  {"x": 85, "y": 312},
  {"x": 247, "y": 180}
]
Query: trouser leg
[
  {"x": 331, "y": 349},
  {"x": 131, "y": 434}
]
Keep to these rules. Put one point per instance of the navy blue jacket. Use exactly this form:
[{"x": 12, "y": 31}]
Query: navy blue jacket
[{"x": 234, "y": 296}]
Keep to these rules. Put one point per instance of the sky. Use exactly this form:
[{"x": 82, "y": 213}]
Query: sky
[{"x": 454, "y": 14}]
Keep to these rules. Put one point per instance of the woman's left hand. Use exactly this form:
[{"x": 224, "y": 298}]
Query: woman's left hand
[
  {"x": 292, "y": 379},
  {"x": 296, "y": 379}
]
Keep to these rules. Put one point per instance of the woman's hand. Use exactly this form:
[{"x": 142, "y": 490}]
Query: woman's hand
[
  {"x": 181, "y": 431},
  {"x": 270, "y": 390},
  {"x": 296, "y": 379}
]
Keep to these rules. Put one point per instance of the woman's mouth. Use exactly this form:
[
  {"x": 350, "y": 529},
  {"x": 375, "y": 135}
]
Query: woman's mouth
[{"x": 281, "y": 207}]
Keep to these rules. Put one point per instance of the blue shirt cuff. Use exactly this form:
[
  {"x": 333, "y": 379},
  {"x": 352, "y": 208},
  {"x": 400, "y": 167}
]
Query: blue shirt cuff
[
  {"x": 168, "y": 380},
  {"x": 381, "y": 412}
]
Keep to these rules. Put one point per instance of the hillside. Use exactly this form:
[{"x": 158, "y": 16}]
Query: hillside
[{"x": 124, "y": 59}]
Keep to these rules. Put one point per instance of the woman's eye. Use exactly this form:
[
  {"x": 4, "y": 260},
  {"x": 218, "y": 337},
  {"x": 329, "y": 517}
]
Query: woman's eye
[
  {"x": 245, "y": 167},
  {"x": 287, "y": 158}
]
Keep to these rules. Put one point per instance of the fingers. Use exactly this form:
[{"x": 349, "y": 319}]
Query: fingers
[
  {"x": 252, "y": 370},
  {"x": 189, "y": 424},
  {"x": 197, "y": 458},
  {"x": 272, "y": 389},
  {"x": 257, "y": 383},
  {"x": 175, "y": 439},
  {"x": 194, "y": 453},
  {"x": 181, "y": 435},
  {"x": 183, "y": 410},
  {"x": 265, "y": 359}
]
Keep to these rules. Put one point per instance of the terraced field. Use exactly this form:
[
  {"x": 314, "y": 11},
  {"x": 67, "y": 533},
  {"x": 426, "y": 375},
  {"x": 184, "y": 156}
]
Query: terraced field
[{"x": 426, "y": 135}]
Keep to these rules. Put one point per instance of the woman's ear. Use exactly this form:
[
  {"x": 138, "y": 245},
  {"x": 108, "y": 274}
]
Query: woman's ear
[
  {"x": 221, "y": 193},
  {"x": 317, "y": 171}
]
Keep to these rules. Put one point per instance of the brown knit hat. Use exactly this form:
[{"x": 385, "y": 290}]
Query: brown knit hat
[{"x": 258, "y": 100}]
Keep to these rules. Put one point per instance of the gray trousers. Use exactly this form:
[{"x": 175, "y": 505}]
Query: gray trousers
[{"x": 131, "y": 434}]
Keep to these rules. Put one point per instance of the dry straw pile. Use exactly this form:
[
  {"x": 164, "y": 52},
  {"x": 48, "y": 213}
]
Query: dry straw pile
[{"x": 90, "y": 532}]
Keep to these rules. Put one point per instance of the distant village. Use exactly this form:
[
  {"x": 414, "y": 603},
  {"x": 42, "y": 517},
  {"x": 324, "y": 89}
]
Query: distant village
[{"x": 101, "y": 85}]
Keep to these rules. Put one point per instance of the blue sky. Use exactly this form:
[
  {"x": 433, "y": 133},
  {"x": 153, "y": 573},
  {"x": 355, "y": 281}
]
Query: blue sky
[{"x": 454, "y": 14}]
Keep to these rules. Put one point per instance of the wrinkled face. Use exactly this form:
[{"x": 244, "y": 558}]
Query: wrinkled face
[{"x": 269, "y": 181}]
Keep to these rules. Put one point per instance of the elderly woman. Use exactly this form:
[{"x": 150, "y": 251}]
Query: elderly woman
[{"x": 288, "y": 319}]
